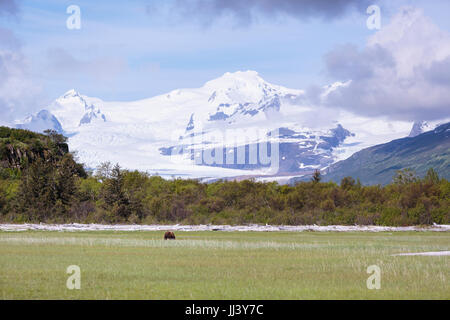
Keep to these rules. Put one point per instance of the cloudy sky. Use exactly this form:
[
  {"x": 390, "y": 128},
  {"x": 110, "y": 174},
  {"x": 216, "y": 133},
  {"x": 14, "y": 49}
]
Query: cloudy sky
[{"x": 128, "y": 50}]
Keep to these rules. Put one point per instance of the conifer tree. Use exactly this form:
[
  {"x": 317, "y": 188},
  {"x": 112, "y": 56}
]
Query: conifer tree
[{"x": 316, "y": 176}]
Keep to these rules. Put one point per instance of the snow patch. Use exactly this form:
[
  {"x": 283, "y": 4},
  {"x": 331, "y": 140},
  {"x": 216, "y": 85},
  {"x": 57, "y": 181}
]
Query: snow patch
[{"x": 430, "y": 253}]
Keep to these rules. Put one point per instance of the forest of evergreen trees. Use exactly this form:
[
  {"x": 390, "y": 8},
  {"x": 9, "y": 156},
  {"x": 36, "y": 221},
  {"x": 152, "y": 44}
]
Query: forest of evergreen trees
[{"x": 41, "y": 182}]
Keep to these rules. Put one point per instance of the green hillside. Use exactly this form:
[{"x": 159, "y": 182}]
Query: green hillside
[
  {"x": 20, "y": 148},
  {"x": 378, "y": 164}
]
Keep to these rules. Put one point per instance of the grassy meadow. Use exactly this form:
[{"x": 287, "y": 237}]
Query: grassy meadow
[{"x": 222, "y": 265}]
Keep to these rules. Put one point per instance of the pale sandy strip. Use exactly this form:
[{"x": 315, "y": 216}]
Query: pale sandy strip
[{"x": 265, "y": 228}]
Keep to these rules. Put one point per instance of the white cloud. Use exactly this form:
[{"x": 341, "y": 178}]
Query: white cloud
[
  {"x": 18, "y": 94},
  {"x": 398, "y": 73}
]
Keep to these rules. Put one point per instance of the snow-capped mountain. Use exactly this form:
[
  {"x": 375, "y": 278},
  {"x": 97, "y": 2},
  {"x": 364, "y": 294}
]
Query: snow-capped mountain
[
  {"x": 74, "y": 110},
  {"x": 65, "y": 114},
  {"x": 41, "y": 121},
  {"x": 379, "y": 164},
  {"x": 237, "y": 124}
]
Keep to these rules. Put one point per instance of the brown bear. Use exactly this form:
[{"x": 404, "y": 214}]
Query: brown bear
[{"x": 169, "y": 235}]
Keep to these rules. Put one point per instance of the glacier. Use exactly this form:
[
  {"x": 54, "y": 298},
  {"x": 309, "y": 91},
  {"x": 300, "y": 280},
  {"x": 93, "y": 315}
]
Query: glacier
[{"x": 225, "y": 120}]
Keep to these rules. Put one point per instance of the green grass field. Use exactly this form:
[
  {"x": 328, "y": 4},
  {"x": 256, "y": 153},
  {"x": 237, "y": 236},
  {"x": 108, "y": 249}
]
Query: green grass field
[{"x": 222, "y": 265}]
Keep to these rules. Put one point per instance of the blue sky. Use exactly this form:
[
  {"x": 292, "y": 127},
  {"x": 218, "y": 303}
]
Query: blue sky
[{"x": 128, "y": 50}]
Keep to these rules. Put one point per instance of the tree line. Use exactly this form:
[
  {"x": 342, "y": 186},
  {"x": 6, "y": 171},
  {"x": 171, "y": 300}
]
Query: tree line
[{"x": 50, "y": 186}]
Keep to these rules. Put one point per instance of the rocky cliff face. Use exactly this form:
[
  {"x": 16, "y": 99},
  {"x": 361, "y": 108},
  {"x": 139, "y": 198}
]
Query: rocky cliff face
[{"x": 19, "y": 148}]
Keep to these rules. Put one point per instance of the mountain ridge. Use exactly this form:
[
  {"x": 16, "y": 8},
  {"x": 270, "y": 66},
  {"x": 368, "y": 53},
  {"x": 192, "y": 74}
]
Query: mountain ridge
[
  {"x": 309, "y": 136},
  {"x": 378, "y": 164}
]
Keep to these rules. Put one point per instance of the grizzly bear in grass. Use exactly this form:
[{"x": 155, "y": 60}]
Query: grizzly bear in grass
[{"x": 169, "y": 235}]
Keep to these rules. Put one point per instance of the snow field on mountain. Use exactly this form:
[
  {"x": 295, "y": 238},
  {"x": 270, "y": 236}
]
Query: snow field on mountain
[{"x": 234, "y": 109}]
